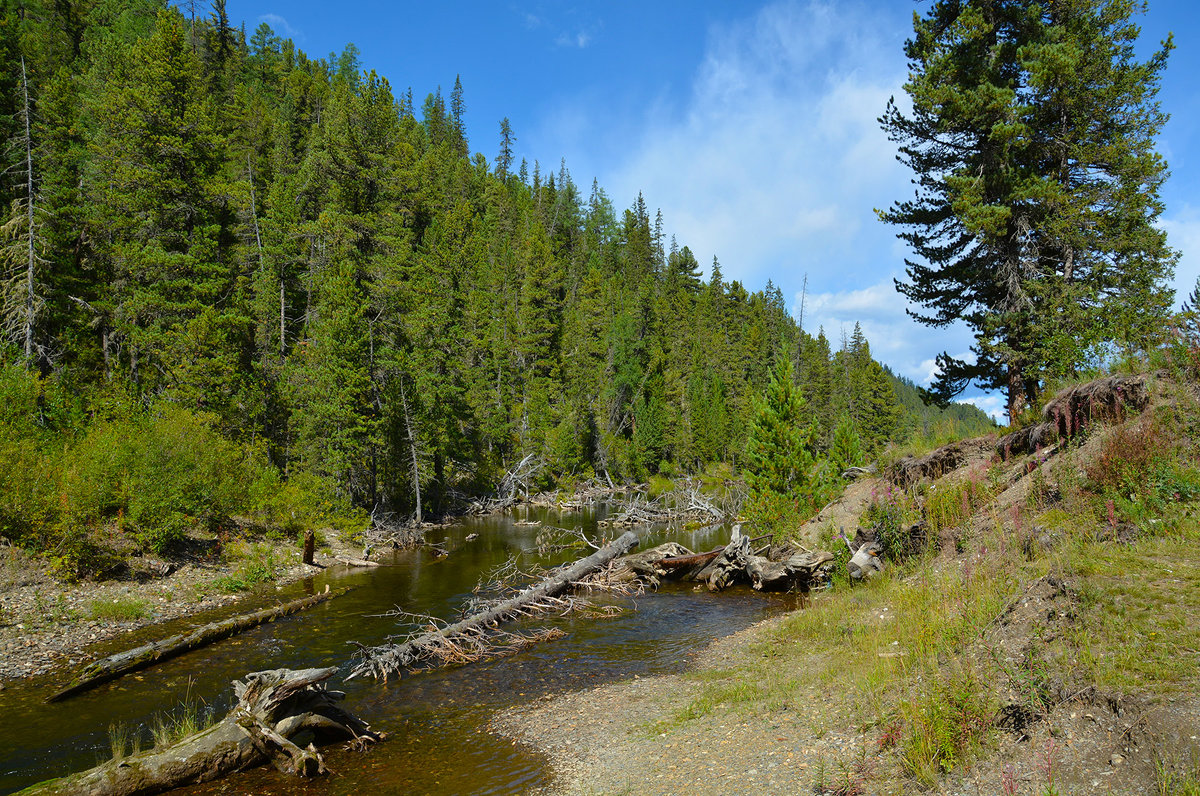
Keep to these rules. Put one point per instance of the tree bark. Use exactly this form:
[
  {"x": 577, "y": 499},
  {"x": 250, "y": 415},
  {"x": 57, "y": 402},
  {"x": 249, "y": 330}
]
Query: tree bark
[
  {"x": 272, "y": 707},
  {"x": 393, "y": 658},
  {"x": 147, "y": 655}
]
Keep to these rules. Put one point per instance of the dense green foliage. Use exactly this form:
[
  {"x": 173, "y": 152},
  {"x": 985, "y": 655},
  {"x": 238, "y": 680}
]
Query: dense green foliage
[
  {"x": 1032, "y": 137},
  {"x": 267, "y": 285}
]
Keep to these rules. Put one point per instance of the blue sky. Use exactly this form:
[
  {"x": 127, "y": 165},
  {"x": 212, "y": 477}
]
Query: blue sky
[{"x": 751, "y": 125}]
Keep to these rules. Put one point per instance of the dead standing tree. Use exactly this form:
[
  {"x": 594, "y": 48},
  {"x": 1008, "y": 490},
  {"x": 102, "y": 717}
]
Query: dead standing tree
[{"x": 513, "y": 486}]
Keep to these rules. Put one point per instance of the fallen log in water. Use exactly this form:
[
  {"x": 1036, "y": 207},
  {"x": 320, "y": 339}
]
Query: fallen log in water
[
  {"x": 358, "y": 562},
  {"x": 433, "y": 645},
  {"x": 272, "y": 708},
  {"x": 133, "y": 660}
]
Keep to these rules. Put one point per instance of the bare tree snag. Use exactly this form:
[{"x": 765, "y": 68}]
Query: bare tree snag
[
  {"x": 310, "y": 543},
  {"x": 147, "y": 655},
  {"x": 393, "y": 658},
  {"x": 272, "y": 707}
]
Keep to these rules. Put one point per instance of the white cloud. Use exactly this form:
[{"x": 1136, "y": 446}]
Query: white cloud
[
  {"x": 896, "y": 339},
  {"x": 580, "y": 39},
  {"x": 281, "y": 26},
  {"x": 776, "y": 160},
  {"x": 1183, "y": 233}
]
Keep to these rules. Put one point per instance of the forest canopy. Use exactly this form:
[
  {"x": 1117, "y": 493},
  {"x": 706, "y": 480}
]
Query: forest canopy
[{"x": 213, "y": 231}]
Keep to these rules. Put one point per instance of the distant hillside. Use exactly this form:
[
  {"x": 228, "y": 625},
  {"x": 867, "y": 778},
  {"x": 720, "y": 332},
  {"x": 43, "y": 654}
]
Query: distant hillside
[{"x": 920, "y": 419}]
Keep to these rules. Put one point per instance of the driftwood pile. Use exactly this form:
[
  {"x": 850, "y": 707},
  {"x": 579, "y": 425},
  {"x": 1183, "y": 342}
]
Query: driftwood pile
[
  {"x": 766, "y": 568},
  {"x": 273, "y": 707},
  {"x": 687, "y": 501},
  {"x": 1105, "y": 400},
  {"x": 513, "y": 487}
]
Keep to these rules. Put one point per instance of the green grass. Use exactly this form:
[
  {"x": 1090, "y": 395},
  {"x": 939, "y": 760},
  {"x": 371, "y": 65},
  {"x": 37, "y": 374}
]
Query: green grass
[
  {"x": 119, "y": 610},
  {"x": 1178, "y": 778},
  {"x": 1138, "y": 628},
  {"x": 123, "y": 741},
  {"x": 188, "y": 718}
]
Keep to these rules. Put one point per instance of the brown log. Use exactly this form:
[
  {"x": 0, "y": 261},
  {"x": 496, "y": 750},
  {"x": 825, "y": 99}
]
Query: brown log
[
  {"x": 272, "y": 708},
  {"x": 645, "y": 564},
  {"x": 394, "y": 658},
  {"x": 147, "y": 655},
  {"x": 689, "y": 561}
]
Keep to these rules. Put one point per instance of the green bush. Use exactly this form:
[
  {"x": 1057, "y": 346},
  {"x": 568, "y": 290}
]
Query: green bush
[
  {"x": 28, "y": 473},
  {"x": 158, "y": 474},
  {"x": 888, "y": 514}
]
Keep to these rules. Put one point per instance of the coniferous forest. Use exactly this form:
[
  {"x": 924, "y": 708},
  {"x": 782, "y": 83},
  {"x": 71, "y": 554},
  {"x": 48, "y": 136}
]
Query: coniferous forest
[{"x": 238, "y": 279}]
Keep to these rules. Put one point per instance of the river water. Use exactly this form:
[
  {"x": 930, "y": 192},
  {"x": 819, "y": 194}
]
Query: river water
[{"x": 436, "y": 721}]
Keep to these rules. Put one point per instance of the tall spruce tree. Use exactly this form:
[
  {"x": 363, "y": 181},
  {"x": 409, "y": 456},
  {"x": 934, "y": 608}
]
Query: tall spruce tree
[{"x": 1032, "y": 140}]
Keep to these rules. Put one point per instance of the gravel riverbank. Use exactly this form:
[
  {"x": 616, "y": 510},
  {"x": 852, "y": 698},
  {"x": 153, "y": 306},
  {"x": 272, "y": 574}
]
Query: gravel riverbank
[{"x": 47, "y": 624}]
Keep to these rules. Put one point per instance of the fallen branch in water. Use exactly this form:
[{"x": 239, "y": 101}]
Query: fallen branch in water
[
  {"x": 147, "y": 655},
  {"x": 273, "y": 707},
  {"x": 439, "y": 643}
]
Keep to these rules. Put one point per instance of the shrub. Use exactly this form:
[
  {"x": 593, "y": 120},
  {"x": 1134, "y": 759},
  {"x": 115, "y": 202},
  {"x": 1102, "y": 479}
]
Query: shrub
[
  {"x": 258, "y": 565},
  {"x": 158, "y": 474},
  {"x": 888, "y": 514},
  {"x": 948, "y": 505}
]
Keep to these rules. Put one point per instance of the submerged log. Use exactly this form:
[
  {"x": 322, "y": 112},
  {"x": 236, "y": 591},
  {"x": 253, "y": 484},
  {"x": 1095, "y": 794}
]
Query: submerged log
[
  {"x": 139, "y": 658},
  {"x": 273, "y": 707},
  {"x": 394, "y": 658}
]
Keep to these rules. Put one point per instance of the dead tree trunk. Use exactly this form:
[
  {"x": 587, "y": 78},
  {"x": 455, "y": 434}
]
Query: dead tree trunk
[
  {"x": 412, "y": 448},
  {"x": 393, "y": 658},
  {"x": 147, "y": 655},
  {"x": 272, "y": 707}
]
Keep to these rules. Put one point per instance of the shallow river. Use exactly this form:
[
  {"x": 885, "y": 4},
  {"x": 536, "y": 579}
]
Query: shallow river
[{"x": 438, "y": 742}]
